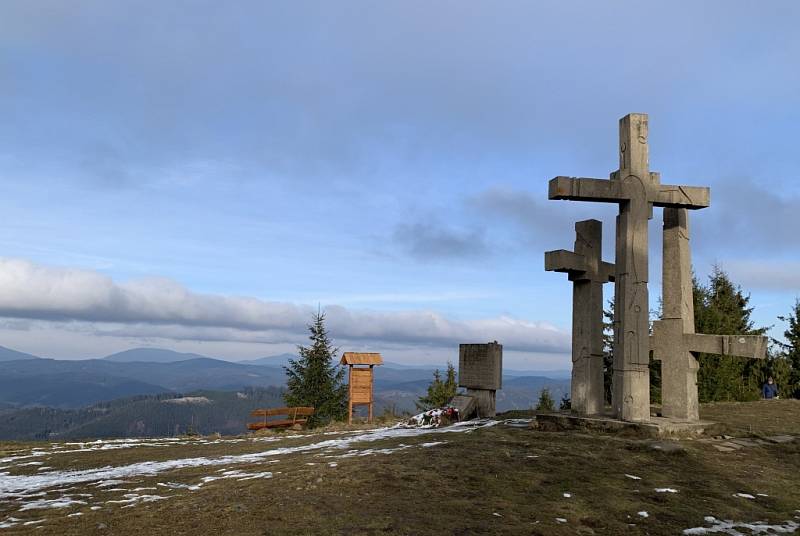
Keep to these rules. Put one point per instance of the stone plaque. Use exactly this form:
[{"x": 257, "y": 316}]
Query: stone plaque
[{"x": 480, "y": 366}]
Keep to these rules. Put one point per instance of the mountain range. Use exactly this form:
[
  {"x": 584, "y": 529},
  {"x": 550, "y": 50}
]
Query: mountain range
[{"x": 53, "y": 389}]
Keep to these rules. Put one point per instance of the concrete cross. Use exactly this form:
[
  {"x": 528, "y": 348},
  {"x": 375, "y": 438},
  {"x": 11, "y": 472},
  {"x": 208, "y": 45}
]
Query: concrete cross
[
  {"x": 636, "y": 190},
  {"x": 674, "y": 341},
  {"x": 588, "y": 272}
]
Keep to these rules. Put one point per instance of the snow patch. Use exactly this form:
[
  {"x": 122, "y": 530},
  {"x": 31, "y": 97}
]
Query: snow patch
[
  {"x": 666, "y": 490},
  {"x": 133, "y": 498},
  {"x": 26, "y": 485},
  {"x": 61, "y": 502},
  {"x": 730, "y": 527},
  {"x": 189, "y": 400},
  {"x": 633, "y": 477}
]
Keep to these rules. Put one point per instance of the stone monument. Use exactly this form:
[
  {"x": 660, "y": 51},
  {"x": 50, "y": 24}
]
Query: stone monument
[
  {"x": 674, "y": 340},
  {"x": 480, "y": 371},
  {"x": 587, "y": 271},
  {"x": 636, "y": 190}
]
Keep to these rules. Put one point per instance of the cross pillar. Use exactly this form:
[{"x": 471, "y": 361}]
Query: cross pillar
[
  {"x": 636, "y": 190},
  {"x": 674, "y": 339},
  {"x": 587, "y": 271}
]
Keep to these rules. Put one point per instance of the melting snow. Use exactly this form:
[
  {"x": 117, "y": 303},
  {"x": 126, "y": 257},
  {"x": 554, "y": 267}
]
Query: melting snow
[
  {"x": 633, "y": 477},
  {"x": 643, "y": 514},
  {"x": 666, "y": 490},
  {"x": 9, "y": 522},
  {"x": 561, "y": 520},
  {"x": 730, "y": 527},
  {"x": 61, "y": 502},
  {"x": 744, "y": 495},
  {"x": 567, "y": 495},
  {"x": 29, "y": 486},
  {"x": 133, "y": 498}
]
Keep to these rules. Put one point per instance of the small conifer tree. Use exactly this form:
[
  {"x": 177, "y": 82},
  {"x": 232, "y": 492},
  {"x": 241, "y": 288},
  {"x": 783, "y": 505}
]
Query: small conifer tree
[
  {"x": 315, "y": 380},
  {"x": 546, "y": 402},
  {"x": 439, "y": 392}
]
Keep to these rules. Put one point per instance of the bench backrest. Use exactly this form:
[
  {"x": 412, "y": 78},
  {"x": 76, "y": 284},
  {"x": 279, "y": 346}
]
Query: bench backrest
[{"x": 291, "y": 412}]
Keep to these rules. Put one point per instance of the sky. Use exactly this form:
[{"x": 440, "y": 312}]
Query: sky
[{"x": 203, "y": 176}]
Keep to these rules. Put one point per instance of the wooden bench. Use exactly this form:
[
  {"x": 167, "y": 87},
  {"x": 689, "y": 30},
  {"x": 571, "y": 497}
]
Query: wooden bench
[{"x": 298, "y": 415}]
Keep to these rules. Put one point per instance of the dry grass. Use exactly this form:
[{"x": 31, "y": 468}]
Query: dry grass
[{"x": 498, "y": 480}]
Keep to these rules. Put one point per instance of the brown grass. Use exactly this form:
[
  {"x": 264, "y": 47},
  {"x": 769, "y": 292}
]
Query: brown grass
[{"x": 498, "y": 480}]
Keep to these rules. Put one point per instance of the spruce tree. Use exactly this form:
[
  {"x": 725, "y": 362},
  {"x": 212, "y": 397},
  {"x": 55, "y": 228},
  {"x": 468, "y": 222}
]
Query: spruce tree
[
  {"x": 315, "y": 379},
  {"x": 789, "y": 350},
  {"x": 608, "y": 350},
  {"x": 439, "y": 392},
  {"x": 722, "y": 308}
]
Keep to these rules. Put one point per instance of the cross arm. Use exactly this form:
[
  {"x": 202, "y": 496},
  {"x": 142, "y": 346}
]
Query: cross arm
[
  {"x": 565, "y": 261},
  {"x": 691, "y": 197},
  {"x": 583, "y": 189},
  {"x": 752, "y": 346}
]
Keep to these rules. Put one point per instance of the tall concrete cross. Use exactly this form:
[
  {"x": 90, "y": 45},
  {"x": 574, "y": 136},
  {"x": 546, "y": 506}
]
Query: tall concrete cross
[
  {"x": 637, "y": 191},
  {"x": 674, "y": 341},
  {"x": 586, "y": 269}
]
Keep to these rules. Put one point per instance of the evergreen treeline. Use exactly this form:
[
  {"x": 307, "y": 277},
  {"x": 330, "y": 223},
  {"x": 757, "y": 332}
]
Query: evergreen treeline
[{"x": 722, "y": 308}]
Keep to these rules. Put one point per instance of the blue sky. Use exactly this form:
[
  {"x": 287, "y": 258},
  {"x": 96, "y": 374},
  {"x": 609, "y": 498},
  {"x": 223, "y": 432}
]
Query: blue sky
[{"x": 235, "y": 165}]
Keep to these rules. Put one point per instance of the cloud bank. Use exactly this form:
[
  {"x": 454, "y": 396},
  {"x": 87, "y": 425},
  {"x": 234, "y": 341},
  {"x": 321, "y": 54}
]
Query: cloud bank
[{"x": 157, "y": 307}]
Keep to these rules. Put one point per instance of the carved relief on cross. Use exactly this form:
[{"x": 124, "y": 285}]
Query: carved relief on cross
[
  {"x": 586, "y": 269},
  {"x": 636, "y": 190},
  {"x": 674, "y": 341}
]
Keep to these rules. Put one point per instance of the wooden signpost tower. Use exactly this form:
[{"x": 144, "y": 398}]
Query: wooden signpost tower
[{"x": 360, "y": 379}]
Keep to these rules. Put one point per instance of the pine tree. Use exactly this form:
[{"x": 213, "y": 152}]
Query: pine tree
[
  {"x": 721, "y": 308},
  {"x": 439, "y": 392},
  {"x": 789, "y": 350},
  {"x": 315, "y": 380}
]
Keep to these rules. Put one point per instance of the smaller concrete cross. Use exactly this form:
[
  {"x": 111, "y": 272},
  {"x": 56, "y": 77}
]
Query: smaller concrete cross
[
  {"x": 674, "y": 341},
  {"x": 588, "y": 272}
]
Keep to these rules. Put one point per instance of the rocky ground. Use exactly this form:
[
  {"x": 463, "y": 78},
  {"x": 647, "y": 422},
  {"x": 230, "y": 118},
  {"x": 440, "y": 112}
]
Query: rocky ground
[{"x": 492, "y": 477}]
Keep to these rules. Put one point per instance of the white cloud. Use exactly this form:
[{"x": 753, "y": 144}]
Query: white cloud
[
  {"x": 765, "y": 275},
  {"x": 162, "y": 308}
]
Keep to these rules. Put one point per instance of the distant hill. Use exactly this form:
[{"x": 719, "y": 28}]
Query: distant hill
[
  {"x": 280, "y": 360},
  {"x": 204, "y": 412},
  {"x": 152, "y": 355},
  {"x": 7, "y": 354},
  {"x": 74, "y": 384}
]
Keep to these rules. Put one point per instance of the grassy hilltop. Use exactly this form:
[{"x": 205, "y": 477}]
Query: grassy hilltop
[{"x": 499, "y": 479}]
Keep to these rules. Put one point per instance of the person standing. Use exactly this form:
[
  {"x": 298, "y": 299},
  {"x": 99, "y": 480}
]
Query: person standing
[{"x": 770, "y": 390}]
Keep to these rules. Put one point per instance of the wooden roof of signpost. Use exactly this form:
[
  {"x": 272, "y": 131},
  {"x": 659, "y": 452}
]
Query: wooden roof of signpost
[{"x": 361, "y": 358}]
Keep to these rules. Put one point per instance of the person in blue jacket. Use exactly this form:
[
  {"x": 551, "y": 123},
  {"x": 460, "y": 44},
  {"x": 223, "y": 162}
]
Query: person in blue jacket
[{"x": 770, "y": 390}]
